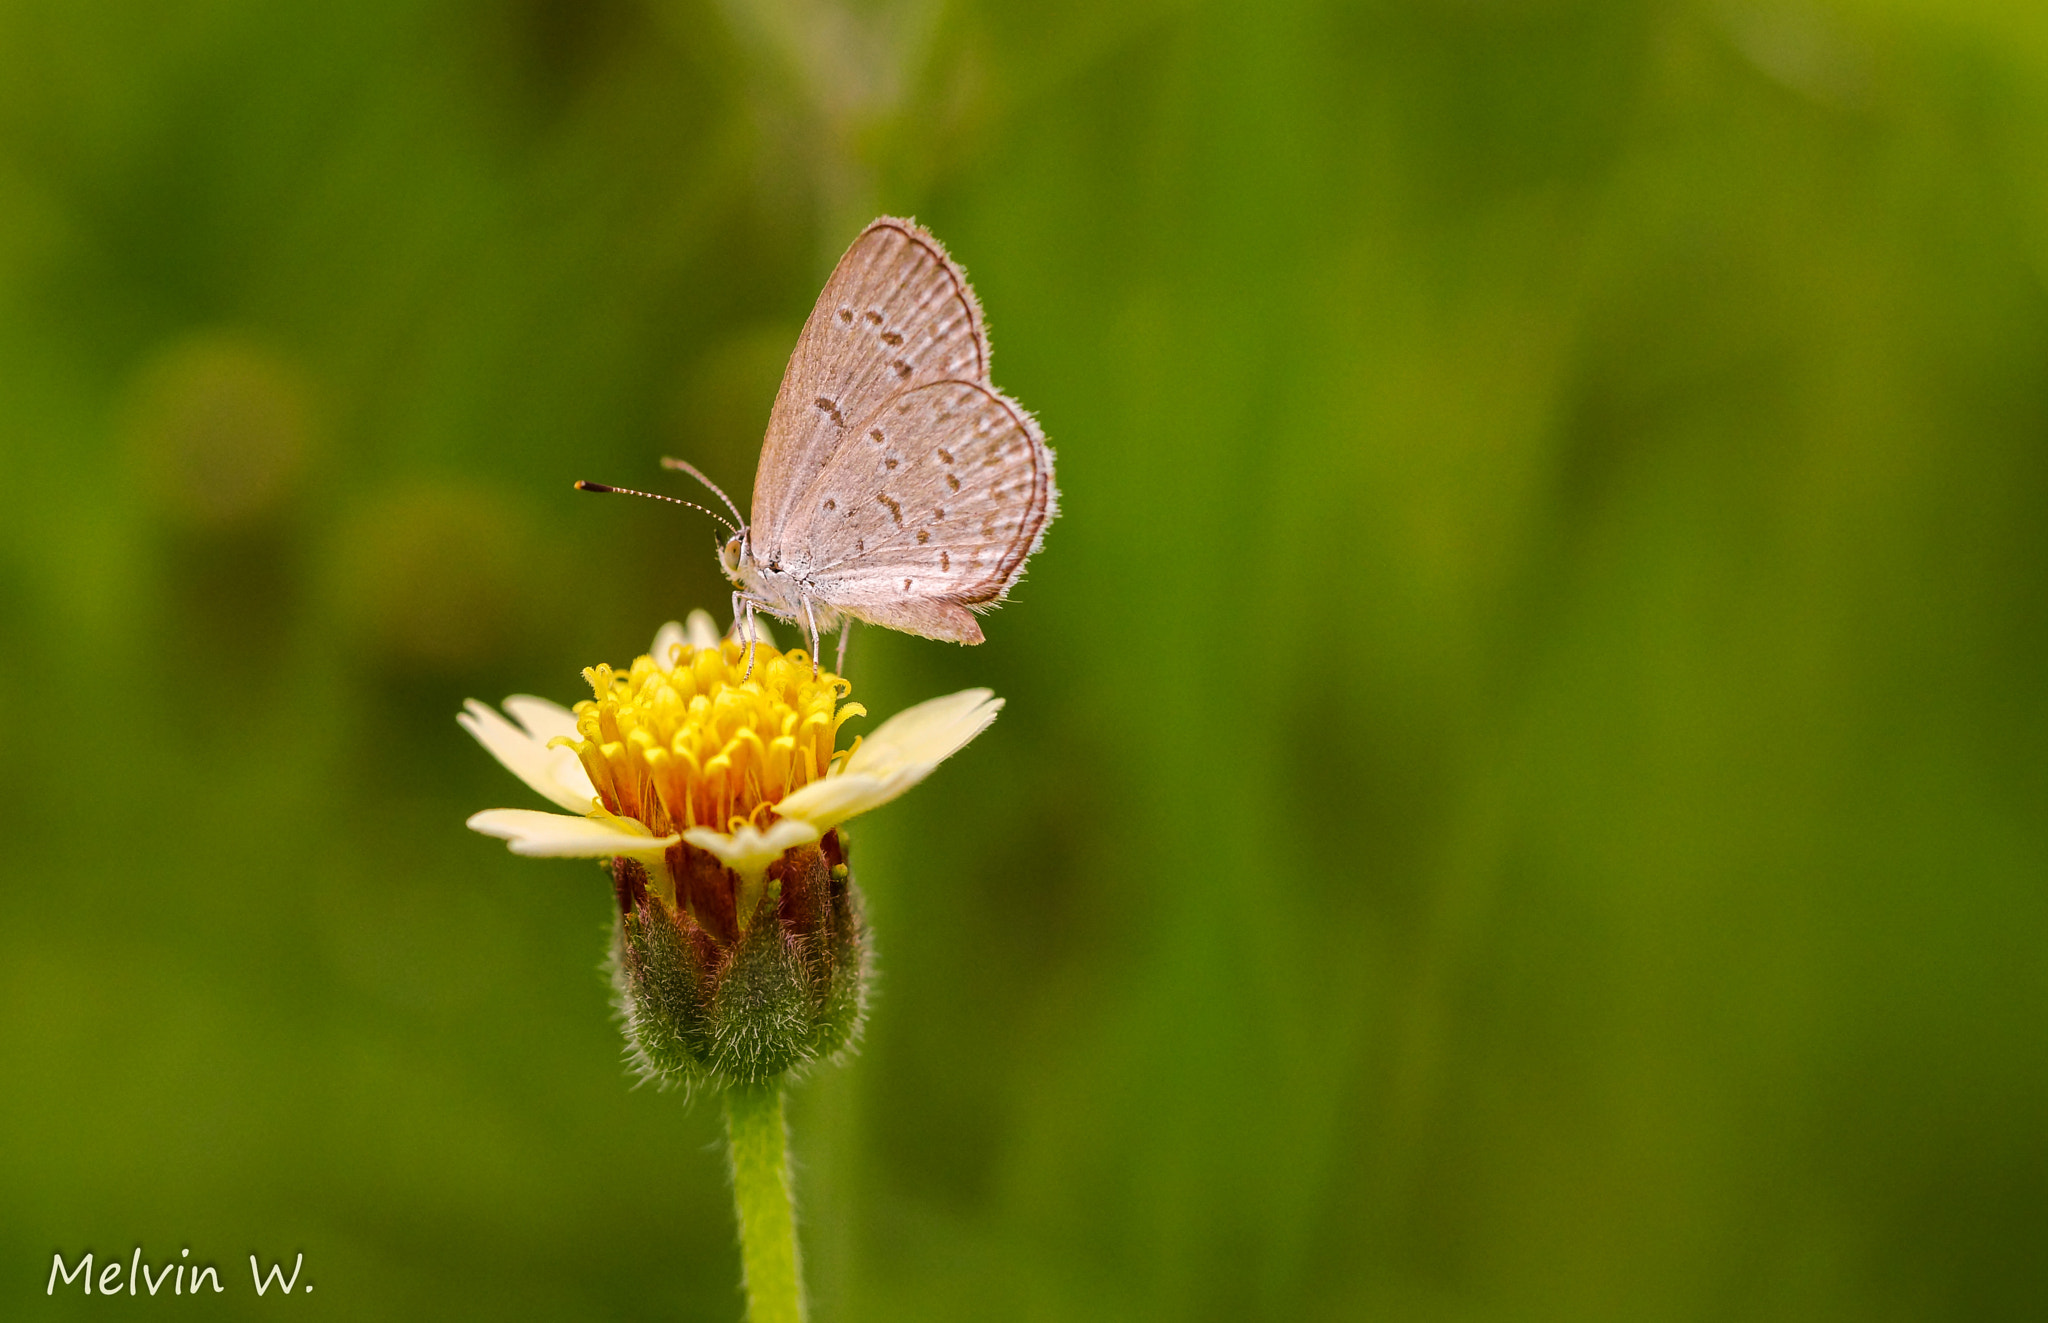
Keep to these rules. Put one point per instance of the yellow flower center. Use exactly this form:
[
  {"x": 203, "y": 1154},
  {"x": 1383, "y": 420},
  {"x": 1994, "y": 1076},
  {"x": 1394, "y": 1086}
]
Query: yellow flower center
[{"x": 707, "y": 741}]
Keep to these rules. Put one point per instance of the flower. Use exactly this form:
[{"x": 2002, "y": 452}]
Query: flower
[
  {"x": 742, "y": 762},
  {"x": 709, "y": 774}
]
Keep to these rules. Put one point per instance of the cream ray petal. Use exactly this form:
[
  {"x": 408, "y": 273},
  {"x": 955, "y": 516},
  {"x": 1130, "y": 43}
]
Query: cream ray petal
[
  {"x": 543, "y": 718},
  {"x": 902, "y": 751},
  {"x": 761, "y": 630},
  {"x": 701, "y": 630},
  {"x": 558, "y": 836},
  {"x": 749, "y": 851},
  {"x": 570, "y": 775},
  {"x": 525, "y": 757},
  {"x": 666, "y": 640},
  {"x": 925, "y": 735},
  {"x": 827, "y": 803},
  {"x": 547, "y": 721}
]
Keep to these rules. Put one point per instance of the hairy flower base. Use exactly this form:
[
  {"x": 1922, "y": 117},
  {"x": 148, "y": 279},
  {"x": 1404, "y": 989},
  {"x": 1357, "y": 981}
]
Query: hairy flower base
[{"x": 718, "y": 993}]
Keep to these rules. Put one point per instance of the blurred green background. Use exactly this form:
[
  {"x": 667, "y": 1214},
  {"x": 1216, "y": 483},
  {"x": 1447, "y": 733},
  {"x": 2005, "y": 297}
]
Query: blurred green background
[{"x": 1525, "y": 787}]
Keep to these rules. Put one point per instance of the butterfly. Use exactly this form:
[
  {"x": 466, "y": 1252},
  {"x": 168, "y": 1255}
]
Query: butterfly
[{"x": 897, "y": 485}]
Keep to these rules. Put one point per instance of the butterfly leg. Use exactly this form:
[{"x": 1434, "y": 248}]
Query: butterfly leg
[
  {"x": 743, "y": 628},
  {"x": 811, "y": 618},
  {"x": 845, "y": 630}
]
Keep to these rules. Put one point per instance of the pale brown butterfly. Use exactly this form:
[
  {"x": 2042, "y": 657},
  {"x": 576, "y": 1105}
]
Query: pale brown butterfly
[{"x": 897, "y": 485}]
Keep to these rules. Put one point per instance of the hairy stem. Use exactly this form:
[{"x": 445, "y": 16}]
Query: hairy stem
[{"x": 759, "y": 1144}]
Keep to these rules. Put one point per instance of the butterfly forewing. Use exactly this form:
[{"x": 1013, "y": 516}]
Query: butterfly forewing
[
  {"x": 942, "y": 494},
  {"x": 895, "y": 315},
  {"x": 897, "y": 485}
]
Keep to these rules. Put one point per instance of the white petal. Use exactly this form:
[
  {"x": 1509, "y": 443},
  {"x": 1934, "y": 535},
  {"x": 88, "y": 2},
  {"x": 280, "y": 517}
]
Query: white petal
[
  {"x": 701, "y": 629},
  {"x": 902, "y": 751},
  {"x": 547, "y": 721},
  {"x": 827, "y": 803},
  {"x": 749, "y": 852},
  {"x": 761, "y": 630},
  {"x": 544, "y": 720},
  {"x": 925, "y": 735},
  {"x": 527, "y": 758},
  {"x": 558, "y": 836},
  {"x": 666, "y": 640},
  {"x": 569, "y": 775}
]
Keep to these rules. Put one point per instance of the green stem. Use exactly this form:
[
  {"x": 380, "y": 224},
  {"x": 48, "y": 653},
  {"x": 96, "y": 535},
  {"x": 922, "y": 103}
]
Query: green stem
[{"x": 759, "y": 1145}]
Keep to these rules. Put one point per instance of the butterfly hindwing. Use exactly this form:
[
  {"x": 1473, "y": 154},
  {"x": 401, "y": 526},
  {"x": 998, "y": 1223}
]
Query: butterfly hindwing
[{"x": 944, "y": 493}]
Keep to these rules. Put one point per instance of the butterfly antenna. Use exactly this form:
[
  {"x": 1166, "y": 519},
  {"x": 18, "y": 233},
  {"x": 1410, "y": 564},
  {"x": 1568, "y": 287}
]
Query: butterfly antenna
[
  {"x": 583, "y": 486},
  {"x": 686, "y": 466}
]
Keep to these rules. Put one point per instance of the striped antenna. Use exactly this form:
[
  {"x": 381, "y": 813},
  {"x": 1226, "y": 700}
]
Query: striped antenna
[
  {"x": 685, "y": 466},
  {"x": 583, "y": 486}
]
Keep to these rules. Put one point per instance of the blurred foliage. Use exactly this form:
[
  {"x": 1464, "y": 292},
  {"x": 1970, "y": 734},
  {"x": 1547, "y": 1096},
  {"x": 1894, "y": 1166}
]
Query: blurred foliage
[{"x": 1523, "y": 794}]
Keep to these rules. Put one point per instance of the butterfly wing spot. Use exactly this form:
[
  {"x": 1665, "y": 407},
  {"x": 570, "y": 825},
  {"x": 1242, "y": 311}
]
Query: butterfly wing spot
[
  {"x": 945, "y": 455},
  {"x": 895, "y": 510},
  {"x": 860, "y": 544},
  {"x": 952, "y": 482},
  {"x": 939, "y": 514},
  {"x": 902, "y": 369},
  {"x": 846, "y": 315},
  {"x": 906, "y": 585},
  {"x": 891, "y": 339},
  {"x": 945, "y": 561},
  {"x": 874, "y": 317},
  {"x": 924, "y": 535},
  {"x": 831, "y": 504},
  {"x": 828, "y": 407},
  {"x": 889, "y": 463},
  {"x": 875, "y": 435}
]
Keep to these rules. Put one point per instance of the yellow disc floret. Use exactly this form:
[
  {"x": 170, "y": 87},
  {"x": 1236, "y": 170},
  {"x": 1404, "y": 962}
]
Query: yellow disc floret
[{"x": 714, "y": 739}]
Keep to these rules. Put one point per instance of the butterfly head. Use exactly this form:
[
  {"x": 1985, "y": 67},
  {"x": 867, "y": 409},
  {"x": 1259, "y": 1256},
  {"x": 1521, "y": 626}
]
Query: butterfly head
[{"x": 733, "y": 554}]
